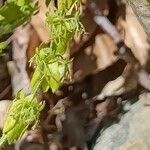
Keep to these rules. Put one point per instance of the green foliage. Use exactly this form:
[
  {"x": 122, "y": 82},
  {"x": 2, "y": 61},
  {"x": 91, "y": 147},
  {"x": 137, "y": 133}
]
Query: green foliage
[
  {"x": 51, "y": 62},
  {"x": 23, "y": 112},
  {"x": 15, "y": 13},
  {"x": 67, "y": 7},
  {"x": 50, "y": 71},
  {"x": 3, "y": 45},
  {"x": 52, "y": 66}
]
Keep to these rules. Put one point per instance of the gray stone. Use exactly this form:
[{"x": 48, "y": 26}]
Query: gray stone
[{"x": 131, "y": 133}]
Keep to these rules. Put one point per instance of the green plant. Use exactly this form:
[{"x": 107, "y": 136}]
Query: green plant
[
  {"x": 51, "y": 61},
  {"x": 15, "y": 13}
]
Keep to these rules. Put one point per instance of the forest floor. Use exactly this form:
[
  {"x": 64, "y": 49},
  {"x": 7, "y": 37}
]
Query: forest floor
[{"x": 106, "y": 105}]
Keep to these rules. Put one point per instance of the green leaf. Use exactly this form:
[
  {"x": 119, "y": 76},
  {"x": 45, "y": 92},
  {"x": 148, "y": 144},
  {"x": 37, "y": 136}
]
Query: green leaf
[
  {"x": 1, "y": 18},
  {"x": 3, "y": 45},
  {"x": 35, "y": 81},
  {"x": 54, "y": 84},
  {"x": 15, "y": 13},
  {"x": 45, "y": 85},
  {"x": 14, "y": 133},
  {"x": 23, "y": 111},
  {"x": 9, "y": 125}
]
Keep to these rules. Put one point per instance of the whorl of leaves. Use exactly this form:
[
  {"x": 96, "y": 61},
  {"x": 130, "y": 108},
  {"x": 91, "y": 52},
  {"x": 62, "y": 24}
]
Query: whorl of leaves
[{"x": 52, "y": 66}]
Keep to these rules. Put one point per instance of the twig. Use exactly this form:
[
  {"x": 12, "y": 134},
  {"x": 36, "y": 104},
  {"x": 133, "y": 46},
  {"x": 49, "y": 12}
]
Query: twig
[{"x": 104, "y": 23}]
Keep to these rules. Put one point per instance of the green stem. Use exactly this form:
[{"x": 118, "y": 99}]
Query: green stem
[{"x": 3, "y": 140}]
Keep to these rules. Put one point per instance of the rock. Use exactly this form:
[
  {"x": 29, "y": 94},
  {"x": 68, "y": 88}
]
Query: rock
[
  {"x": 3, "y": 110},
  {"x": 142, "y": 10},
  {"x": 131, "y": 133}
]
